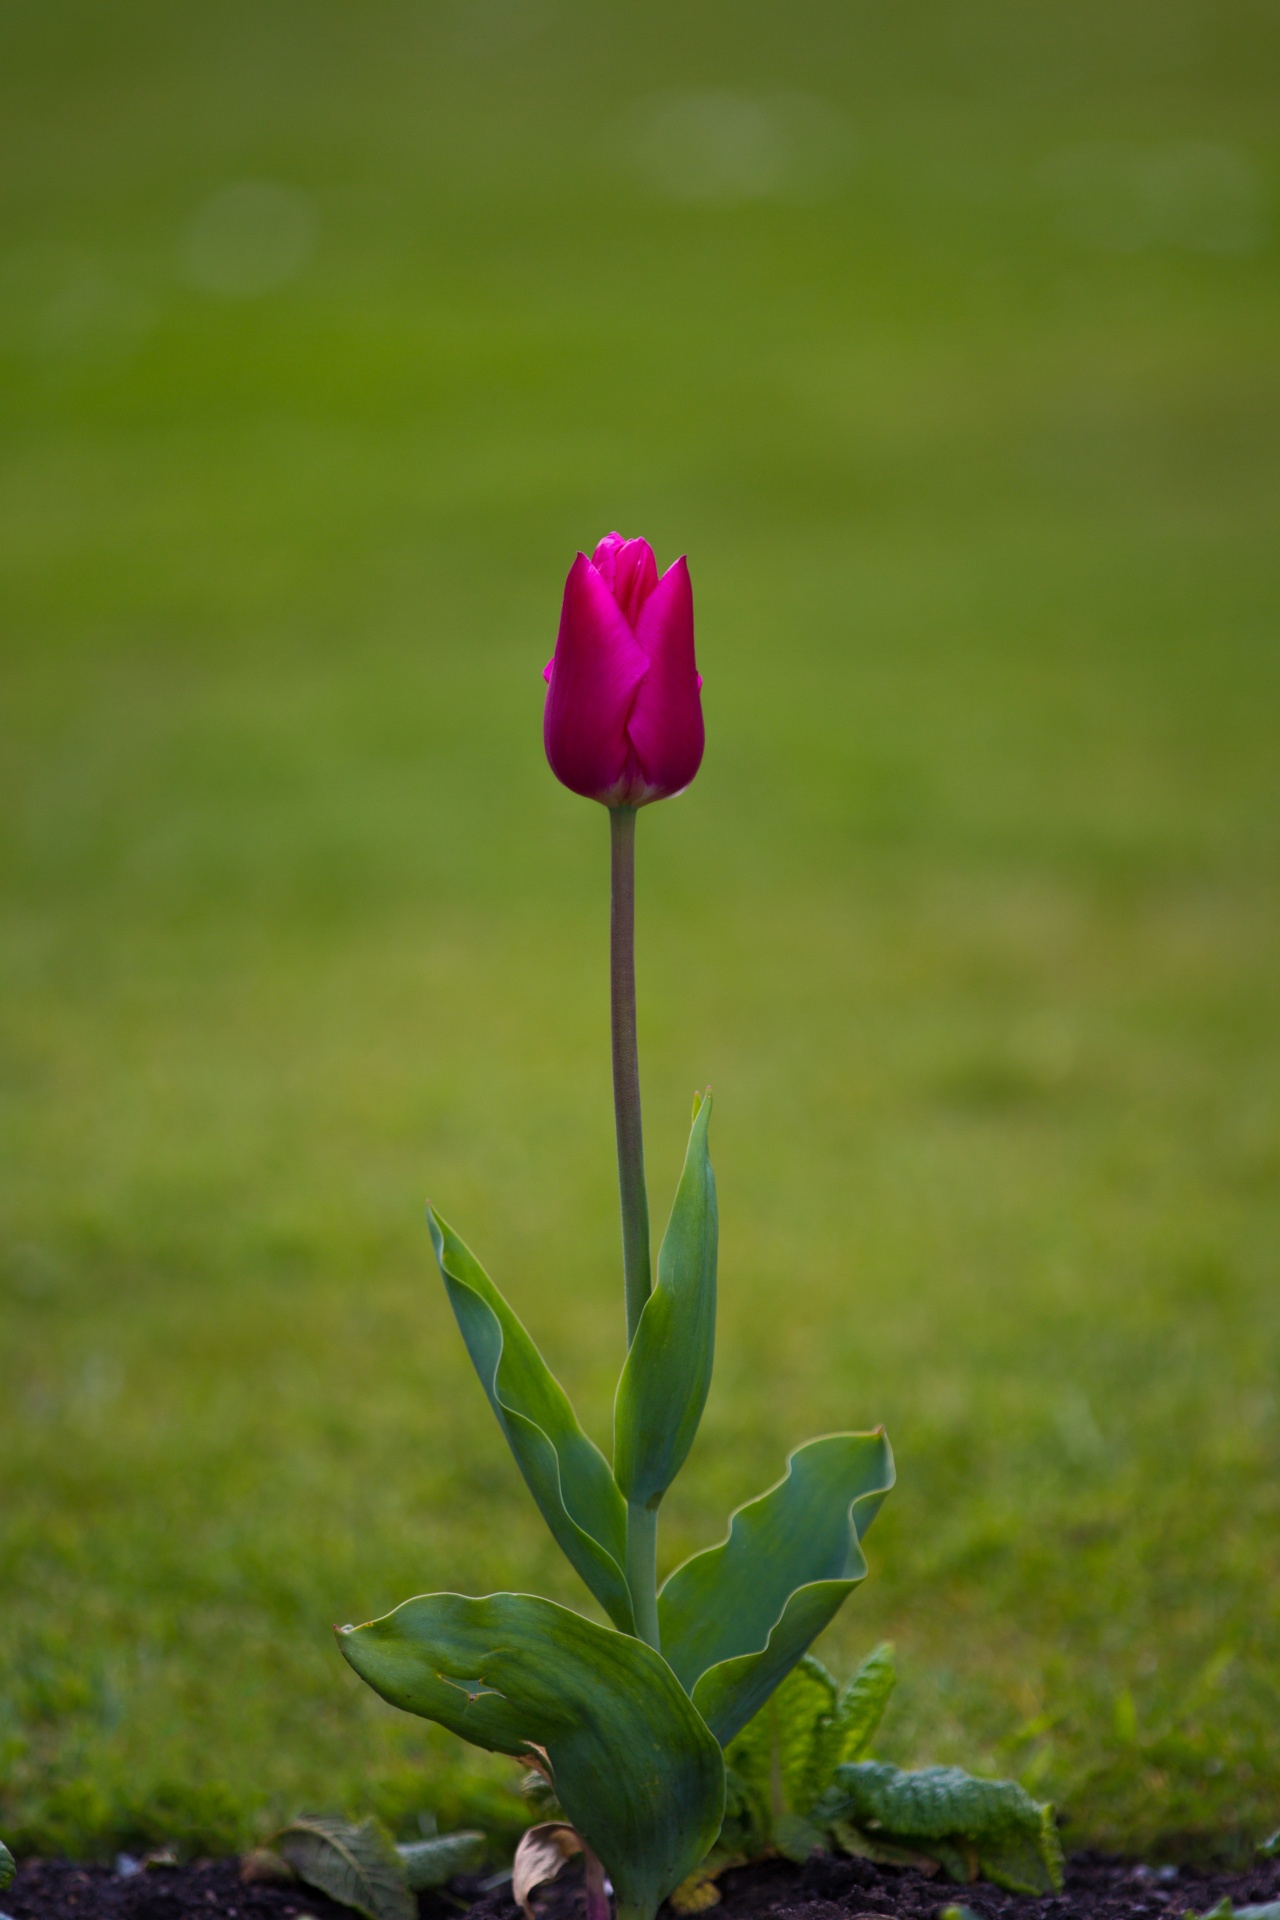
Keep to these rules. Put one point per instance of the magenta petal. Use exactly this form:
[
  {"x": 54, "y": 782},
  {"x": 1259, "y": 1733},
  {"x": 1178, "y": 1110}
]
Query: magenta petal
[
  {"x": 598, "y": 666},
  {"x": 605, "y": 557},
  {"x": 665, "y": 727},
  {"x": 628, "y": 569}
]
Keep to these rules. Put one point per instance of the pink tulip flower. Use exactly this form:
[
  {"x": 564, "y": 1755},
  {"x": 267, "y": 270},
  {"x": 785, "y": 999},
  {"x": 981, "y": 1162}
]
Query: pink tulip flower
[{"x": 623, "y": 720}]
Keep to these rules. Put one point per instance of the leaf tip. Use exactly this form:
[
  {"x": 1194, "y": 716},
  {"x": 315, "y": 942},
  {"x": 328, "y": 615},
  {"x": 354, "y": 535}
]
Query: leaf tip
[{"x": 436, "y": 1228}]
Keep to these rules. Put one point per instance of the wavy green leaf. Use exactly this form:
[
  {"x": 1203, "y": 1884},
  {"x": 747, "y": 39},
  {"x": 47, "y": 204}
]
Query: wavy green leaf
[
  {"x": 971, "y": 1826},
  {"x": 8, "y": 1866},
  {"x": 634, "y": 1767},
  {"x": 565, "y": 1472},
  {"x": 735, "y": 1619},
  {"x": 358, "y": 1866},
  {"x": 667, "y": 1374}
]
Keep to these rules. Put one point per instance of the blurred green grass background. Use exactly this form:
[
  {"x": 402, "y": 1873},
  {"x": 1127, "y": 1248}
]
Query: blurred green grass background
[{"x": 944, "y": 340}]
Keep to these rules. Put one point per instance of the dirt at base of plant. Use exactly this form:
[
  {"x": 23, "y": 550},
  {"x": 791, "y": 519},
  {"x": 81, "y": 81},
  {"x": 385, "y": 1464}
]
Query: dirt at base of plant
[{"x": 827, "y": 1887}]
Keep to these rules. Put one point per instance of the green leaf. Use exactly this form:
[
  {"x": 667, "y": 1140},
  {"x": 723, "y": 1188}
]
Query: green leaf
[
  {"x": 565, "y": 1472},
  {"x": 779, "y": 1754},
  {"x": 992, "y": 1824},
  {"x": 358, "y": 1867},
  {"x": 778, "y": 1766},
  {"x": 431, "y": 1863},
  {"x": 735, "y": 1619},
  {"x": 860, "y": 1708},
  {"x": 748, "y": 1821},
  {"x": 8, "y": 1867},
  {"x": 634, "y": 1767},
  {"x": 667, "y": 1374},
  {"x": 802, "y": 1710}
]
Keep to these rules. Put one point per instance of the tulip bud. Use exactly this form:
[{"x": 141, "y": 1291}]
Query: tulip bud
[{"x": 623, "y": 720}]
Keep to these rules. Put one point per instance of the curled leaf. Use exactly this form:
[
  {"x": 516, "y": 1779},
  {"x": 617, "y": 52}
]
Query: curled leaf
[
  {"x": 565, "y": 1471},
  {"x": 540, "y": 1855},
  {"x": 358, "y": 1866},
  {"x": 8, "y": 1866}
]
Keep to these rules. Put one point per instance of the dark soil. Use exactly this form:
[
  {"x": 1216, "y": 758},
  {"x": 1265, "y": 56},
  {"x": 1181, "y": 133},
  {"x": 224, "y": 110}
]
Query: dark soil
[{"x": 826, "y": 1888}]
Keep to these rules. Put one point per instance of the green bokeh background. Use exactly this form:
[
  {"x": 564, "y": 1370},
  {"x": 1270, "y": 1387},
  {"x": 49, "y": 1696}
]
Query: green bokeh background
[{"x": 945, "y": 339}]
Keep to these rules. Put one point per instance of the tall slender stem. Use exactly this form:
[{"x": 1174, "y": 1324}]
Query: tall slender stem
[
  {"x": 626, "y": 1064},
  {"x": 642, "y": 1522}
]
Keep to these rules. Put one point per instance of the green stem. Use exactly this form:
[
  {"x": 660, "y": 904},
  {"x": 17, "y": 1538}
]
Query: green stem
[
  {"x": 642, "y": 1522},
  {"x": 642, "y": 1570},
  {"x": 626, "y": 1064}
]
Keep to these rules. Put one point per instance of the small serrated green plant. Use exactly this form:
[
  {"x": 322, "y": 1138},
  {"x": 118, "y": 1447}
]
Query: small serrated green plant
[
  {"x": 799, "y": 1778},
  {"x": 629, "y": 1722}
]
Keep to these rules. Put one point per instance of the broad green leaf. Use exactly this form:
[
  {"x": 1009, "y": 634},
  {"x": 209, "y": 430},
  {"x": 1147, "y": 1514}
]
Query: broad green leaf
[
  {"x": 667, "y": 1374},
  {"x": 8, "y": 1866},
  {"x": 565, "y": 1472},
  {"x": 735, "y": 1619},
  {"x": 634, "y": 1767},
  {"x": 430, "y": 1863},
  {"x": 989, "y": 1826},
  {"x": 358, "y": 1867}
]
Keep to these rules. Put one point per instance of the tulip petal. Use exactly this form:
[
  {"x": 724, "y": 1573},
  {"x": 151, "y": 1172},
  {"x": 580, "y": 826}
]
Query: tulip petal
[
  {"x": 629, "y": 570},
  {"x": 597, "y": 667},
  {"x": 665, "y": 727}
]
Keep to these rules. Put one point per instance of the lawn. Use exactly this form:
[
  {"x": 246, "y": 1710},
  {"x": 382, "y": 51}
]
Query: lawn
[{"x": 946, "y": 342}]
